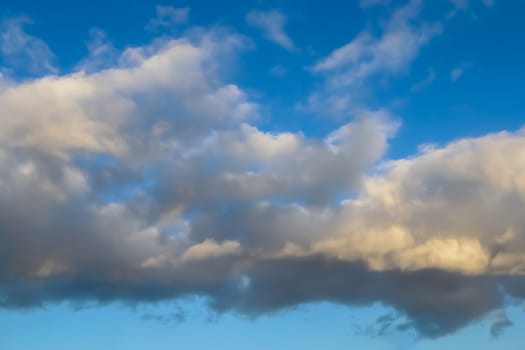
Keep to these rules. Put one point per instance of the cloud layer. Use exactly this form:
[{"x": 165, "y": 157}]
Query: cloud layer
[{"x": 149, "y": 180}]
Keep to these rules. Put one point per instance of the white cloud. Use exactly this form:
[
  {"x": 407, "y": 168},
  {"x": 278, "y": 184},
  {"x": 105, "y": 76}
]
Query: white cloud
[
  {"x": 272, "y": 24},
  {"x": 90, "y": 111},
  {"x": 453, "y": 208}
]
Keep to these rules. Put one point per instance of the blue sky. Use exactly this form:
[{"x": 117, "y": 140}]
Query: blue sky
[{"x": 265, "y": 174}]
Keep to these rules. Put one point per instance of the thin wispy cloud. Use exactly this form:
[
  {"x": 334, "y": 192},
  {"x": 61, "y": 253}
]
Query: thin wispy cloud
[
  {"x": 390, "y": 53},
  {"x": 457, "y": 72},
  {"x": 102, "y": 53},
  {"x": 23, "y": 51},
  {"x": 278, "y": 71},
  {"x": 349, "y": 69},
  {"x": 272, "y": 23},
  {"x": 365, "y": 4},
  {"x": 499, "y": 323},
  {"x": 468, "y": 6},
  {"x": 169, "y": 16},
  {"x": 422, "y": 84}
]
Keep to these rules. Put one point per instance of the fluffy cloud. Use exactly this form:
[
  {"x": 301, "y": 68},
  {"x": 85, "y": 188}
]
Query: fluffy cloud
[
  {"x": 165, "y": 88},
  {"x": 110, "y": 176},
  {"x": 454, "y": 208}
]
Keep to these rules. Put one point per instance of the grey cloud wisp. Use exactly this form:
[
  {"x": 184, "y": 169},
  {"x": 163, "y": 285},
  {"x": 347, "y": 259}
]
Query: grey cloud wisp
[{"x": 149, "y": 180}]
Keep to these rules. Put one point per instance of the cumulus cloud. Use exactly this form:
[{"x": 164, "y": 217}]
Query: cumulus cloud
[
  {"x": 149, "y": 179},
  {"x": 272, "y": 24},
  {"x": 117, "y": 170},
  {"x": 92, "y": 111},
  {"x": 454, "y": 208}
]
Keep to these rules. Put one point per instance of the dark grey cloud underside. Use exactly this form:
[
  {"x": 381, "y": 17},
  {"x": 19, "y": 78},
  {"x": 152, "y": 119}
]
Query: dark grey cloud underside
[{"x": 437, "y": 302}]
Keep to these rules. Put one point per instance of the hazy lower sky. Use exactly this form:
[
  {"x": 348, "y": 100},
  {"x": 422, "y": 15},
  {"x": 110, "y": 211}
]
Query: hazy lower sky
[{"x": 262, "y": 174}]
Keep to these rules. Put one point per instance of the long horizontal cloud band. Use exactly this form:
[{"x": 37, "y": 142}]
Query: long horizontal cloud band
[{"x": 149, "y": 180}]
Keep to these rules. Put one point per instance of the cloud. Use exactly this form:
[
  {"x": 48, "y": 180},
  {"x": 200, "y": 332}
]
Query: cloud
[
  {"x": 467, "y": 6},
  {"x": 175, "y": 317},
  {"x": 438, "y": 302},
  {"x": 91, "y": 111},
  {"x": 457, "y": 73},
  {"x": 102, "y": 53},
  {"x": 422, "y": 84},
  {"x": 499, "y": 323},
  {"x": 22, "y": 51},
  {"x": 353, "y": 73},
  {"x": 168, "y": 16},
  {"x": 353, "y": 69},
  {"x": 149, "y": 179},
  {"x": 391, "y": 53},
  {"x": 464, "y": 4},
  {"x": 460, "y": 4},
  {"x": 278, "y": 71},
  {"x": 272, "y": 24},
  {"x": 371, "y": 3},
  {"x": 456, "y": 211},
  {"x": 103, "y": 170}
]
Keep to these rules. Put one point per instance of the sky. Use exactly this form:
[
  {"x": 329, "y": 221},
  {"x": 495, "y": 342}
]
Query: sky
[{"x": 262, "y": 174}]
